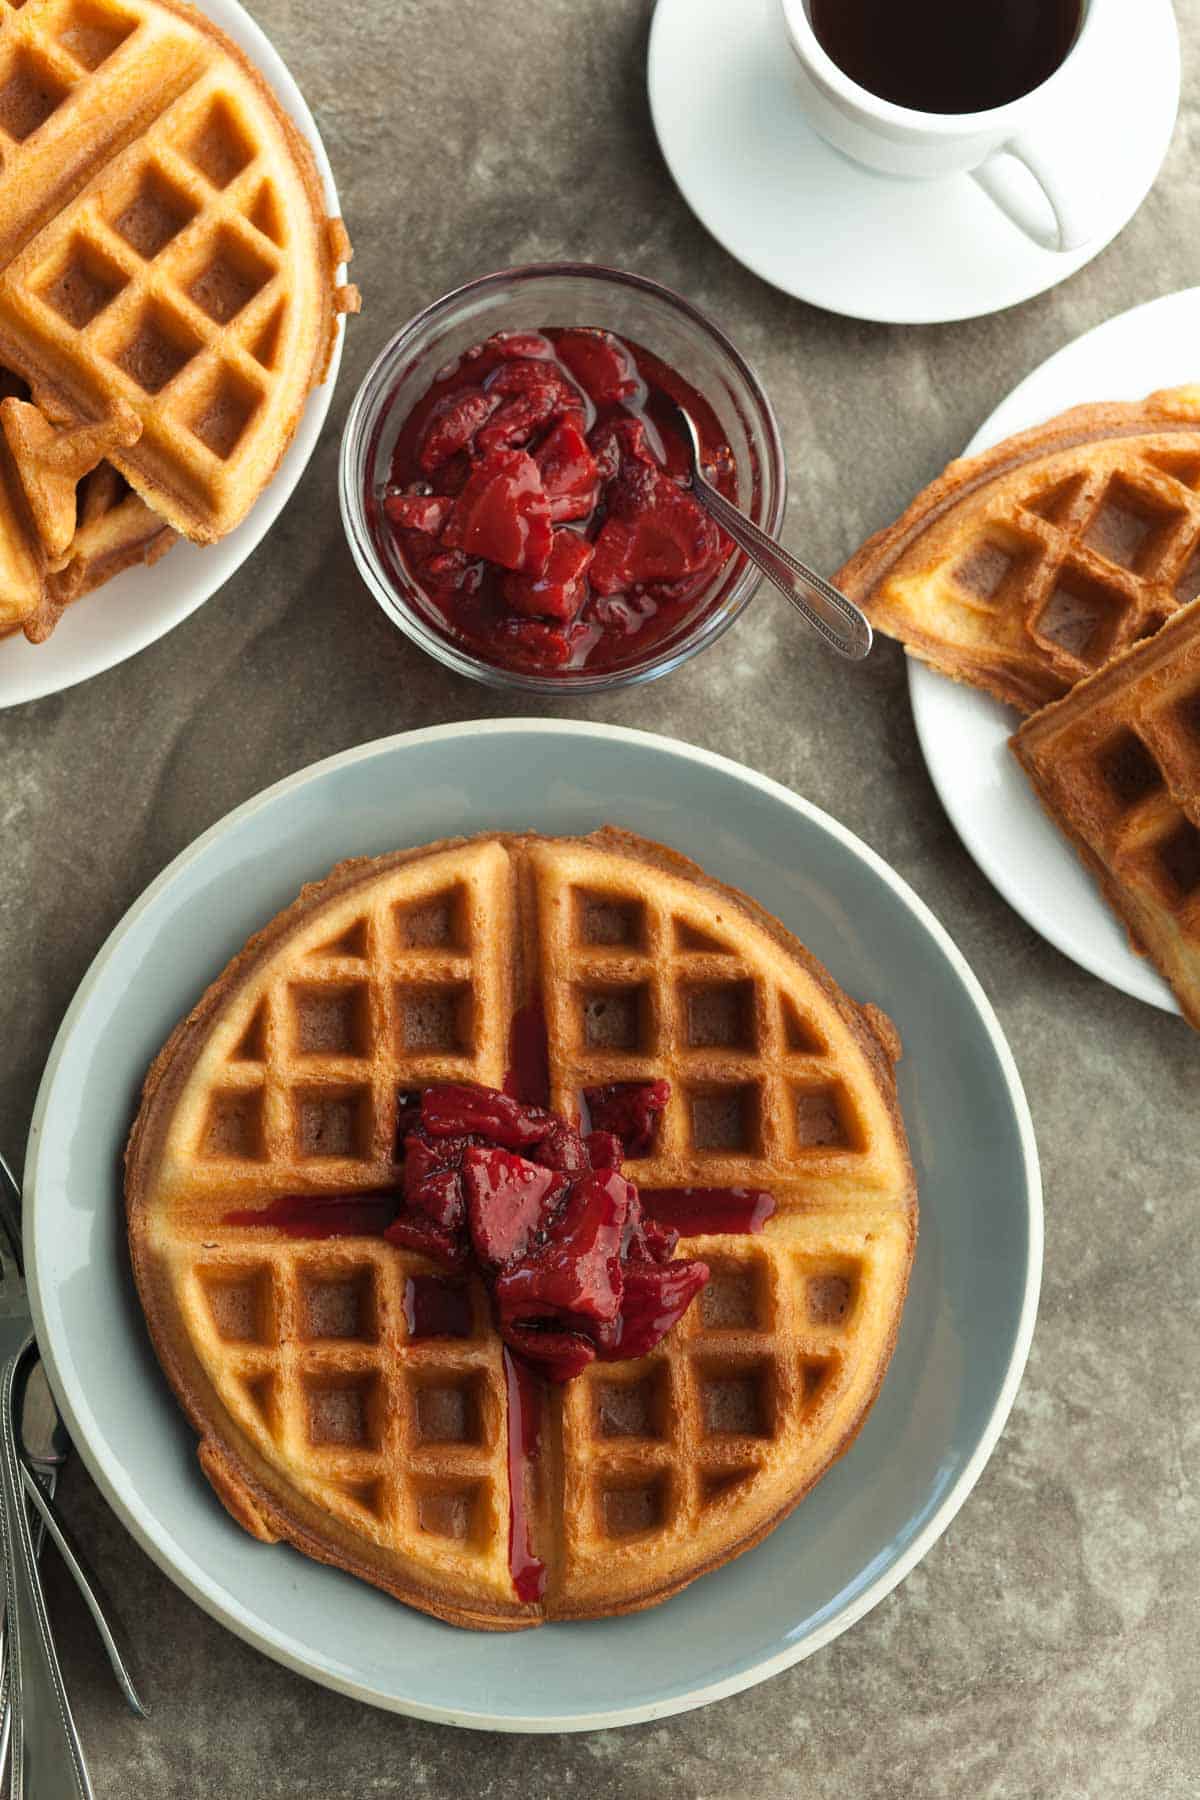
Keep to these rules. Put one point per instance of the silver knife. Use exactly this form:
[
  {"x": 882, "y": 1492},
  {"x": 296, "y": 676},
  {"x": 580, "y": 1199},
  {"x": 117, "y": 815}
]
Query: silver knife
[
  {"x": 45, "y": 1755},
  {"x": 46, "y": 1445}
]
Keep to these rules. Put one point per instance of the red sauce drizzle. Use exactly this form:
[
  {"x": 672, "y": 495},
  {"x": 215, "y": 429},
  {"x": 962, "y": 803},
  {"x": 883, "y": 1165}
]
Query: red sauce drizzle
[
  {"x": 436, "y": 1308},
  {"x": 528, "y": 1076},
  {"x": 697, "y": 1211},
  {"x": 322, "y": 1215},
  {"x": 528, "y": 1571}
]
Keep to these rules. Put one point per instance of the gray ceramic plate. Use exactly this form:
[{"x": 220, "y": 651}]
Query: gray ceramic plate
[{"x": 966, "y": 1328}]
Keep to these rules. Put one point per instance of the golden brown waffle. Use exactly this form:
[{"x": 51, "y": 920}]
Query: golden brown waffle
[
  {"x": 163, "y": 247},
  {"x": 116, "y": 530},
  {"x": 112, "y": 528},
  {"x": 1024, "y": 569},
  {"x": 22, "y": 561},
  {"x": 323, "y": 1420},
  {"x": 1117, "y": 766}
]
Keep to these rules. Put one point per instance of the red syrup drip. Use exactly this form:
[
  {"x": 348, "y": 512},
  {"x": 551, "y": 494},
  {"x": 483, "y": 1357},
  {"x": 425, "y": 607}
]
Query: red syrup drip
[
  {"x": 528, "y": 1076},
  {"x": 436, "y": 1308},
  {"x": 700, "y": 1212},
  {"x": 322, "y": 1215},
  {"x": 524, "y": 1429}
]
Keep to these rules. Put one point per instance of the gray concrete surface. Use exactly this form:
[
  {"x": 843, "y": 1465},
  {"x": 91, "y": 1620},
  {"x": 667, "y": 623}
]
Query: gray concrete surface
[{"x": 1049, "y": 1645}]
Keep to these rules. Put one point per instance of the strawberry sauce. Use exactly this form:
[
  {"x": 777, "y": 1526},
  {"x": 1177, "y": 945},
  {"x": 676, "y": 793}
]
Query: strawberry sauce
[
  {"x": 524, "y": 1431},
  {"x": 537, "y": 497},
  {"x": 578, "y": 1266},
  {"x": 697, "y": 1212},
  {"x": 434, "y": 1308},
  {"x": 322, "y": 1215},
  {"x": 528, "y": 1074}
]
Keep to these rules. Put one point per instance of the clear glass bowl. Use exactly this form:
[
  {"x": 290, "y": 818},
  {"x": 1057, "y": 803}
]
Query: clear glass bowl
[{"x": 557, "y": 294}]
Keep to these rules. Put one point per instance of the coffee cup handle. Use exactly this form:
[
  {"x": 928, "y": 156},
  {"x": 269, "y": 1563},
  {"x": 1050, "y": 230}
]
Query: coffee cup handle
[{"x": 1065, "y": 221}]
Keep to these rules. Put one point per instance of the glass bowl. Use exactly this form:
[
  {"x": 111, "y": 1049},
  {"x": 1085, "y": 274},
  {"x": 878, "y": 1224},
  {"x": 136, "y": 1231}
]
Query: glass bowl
[{"x": 557, "y": 294}]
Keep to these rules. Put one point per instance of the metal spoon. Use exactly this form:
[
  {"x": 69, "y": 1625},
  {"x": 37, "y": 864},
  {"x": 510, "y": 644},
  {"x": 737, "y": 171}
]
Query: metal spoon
[{"x": 843, "y": 627}]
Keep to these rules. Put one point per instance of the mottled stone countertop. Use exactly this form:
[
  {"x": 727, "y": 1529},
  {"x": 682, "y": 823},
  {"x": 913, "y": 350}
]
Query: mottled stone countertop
[{"x": 1049, "y": 1645}]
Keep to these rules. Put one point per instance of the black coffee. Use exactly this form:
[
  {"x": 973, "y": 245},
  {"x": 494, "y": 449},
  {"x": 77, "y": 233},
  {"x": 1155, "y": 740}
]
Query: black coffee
[{"x": 947, "y": 56}]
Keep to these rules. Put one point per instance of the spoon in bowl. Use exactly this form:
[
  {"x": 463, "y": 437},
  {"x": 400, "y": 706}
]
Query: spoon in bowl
[{"x": 837, "y": 620}]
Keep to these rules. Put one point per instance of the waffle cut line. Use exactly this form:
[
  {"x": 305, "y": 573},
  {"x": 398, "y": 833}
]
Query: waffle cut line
[{"x": 329, "y": 1413}]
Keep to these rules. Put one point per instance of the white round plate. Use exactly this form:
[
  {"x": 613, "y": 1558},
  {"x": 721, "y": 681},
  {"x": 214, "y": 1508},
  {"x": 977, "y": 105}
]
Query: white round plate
[
  {"x": 140, "y": 605},
  {"x": 966, "y": 1328},
  {"x": 870, "y": 246},
  {"x": 964, "y": 734}
]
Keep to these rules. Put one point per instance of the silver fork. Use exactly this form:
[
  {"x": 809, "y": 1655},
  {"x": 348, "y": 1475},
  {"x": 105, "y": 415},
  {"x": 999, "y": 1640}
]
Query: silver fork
[
  {"x": 46, "y": 1759},
  {"x": 837, "y": 619}
]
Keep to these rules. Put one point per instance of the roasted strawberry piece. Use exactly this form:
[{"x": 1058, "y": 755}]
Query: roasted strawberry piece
[
  {"x": 569, "y": 473},
  {"x": 516, "y": 421},
  {"x": 612, "y": 566},
  {"x": 452, "y": 425},
  {"x": 453, "y": 570},
  {"x": 413, "y": 1231},
  {"x": 509, "y": 1201},
  {"x": 418, "y": 512},
  {"x": 452, "y": 1109},
  {"x": 648, "y": 1240},
  {"x": 620, "y": 615},
  {"x": 605, "y": 1150},
  {"x": 533, "y": 397},
  {"x": 513, "y": 345},
  {"x": 630, "y": 1110},
  {"x": 566, "y": 1151},
  {"x": 617, "y": 442},
  {"x": 440, "y": 1197},
  {"x": 534, "y": 646},
  {"x": 654, "y": 1299},
  {"x": 408, "y": 1116},
  {"x": 432, "y": 1182},
  {"x": 655, "y": 532},
  {"x": 578, "y": 1270},
  {"x": 558, "y": 1355},
  {"x": 601, "y": 365},
  {"x": 523, "y": 376},
  {"x": 559, "y": 592},
  {"x": 503, "y": 514}
]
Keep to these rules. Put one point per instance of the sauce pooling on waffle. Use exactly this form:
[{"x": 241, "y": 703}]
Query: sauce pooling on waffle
[{"x": 577, "y": 1269}]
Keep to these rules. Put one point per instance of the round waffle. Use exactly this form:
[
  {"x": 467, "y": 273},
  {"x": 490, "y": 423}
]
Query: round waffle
[
  {"x": 164, "y": 249},
  {"x": 325, "y": 1419}
]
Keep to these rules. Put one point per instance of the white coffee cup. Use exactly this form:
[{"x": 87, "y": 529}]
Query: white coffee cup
[{"x": 1039, "y": 131}]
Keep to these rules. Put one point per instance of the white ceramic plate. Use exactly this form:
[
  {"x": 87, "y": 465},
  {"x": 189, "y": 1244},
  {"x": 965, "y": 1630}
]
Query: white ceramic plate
[
  {"x": 757, "y": 176},
  {"x": 140, "y": 605},
  {"x": 964, "y": 734},
  {"x": 966, "y": 1327}
]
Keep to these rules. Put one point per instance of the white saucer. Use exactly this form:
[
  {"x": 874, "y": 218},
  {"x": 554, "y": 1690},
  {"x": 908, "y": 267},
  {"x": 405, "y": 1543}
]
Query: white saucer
[
  {"x": 964, "y": 733},
  {"x": 872, "y": 247},
  {"x": 141, "y": 605}
]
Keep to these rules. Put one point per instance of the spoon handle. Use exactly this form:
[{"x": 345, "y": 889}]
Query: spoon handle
[{"x": 843, "y": 627}]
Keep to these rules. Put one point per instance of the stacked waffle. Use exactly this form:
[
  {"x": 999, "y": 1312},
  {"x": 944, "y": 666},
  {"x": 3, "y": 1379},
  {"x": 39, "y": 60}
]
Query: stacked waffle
[
  {"x": 332, "y": 1416},
  {"x": 168, "y": 291},
  {"x": 1046, "y": 571}
]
